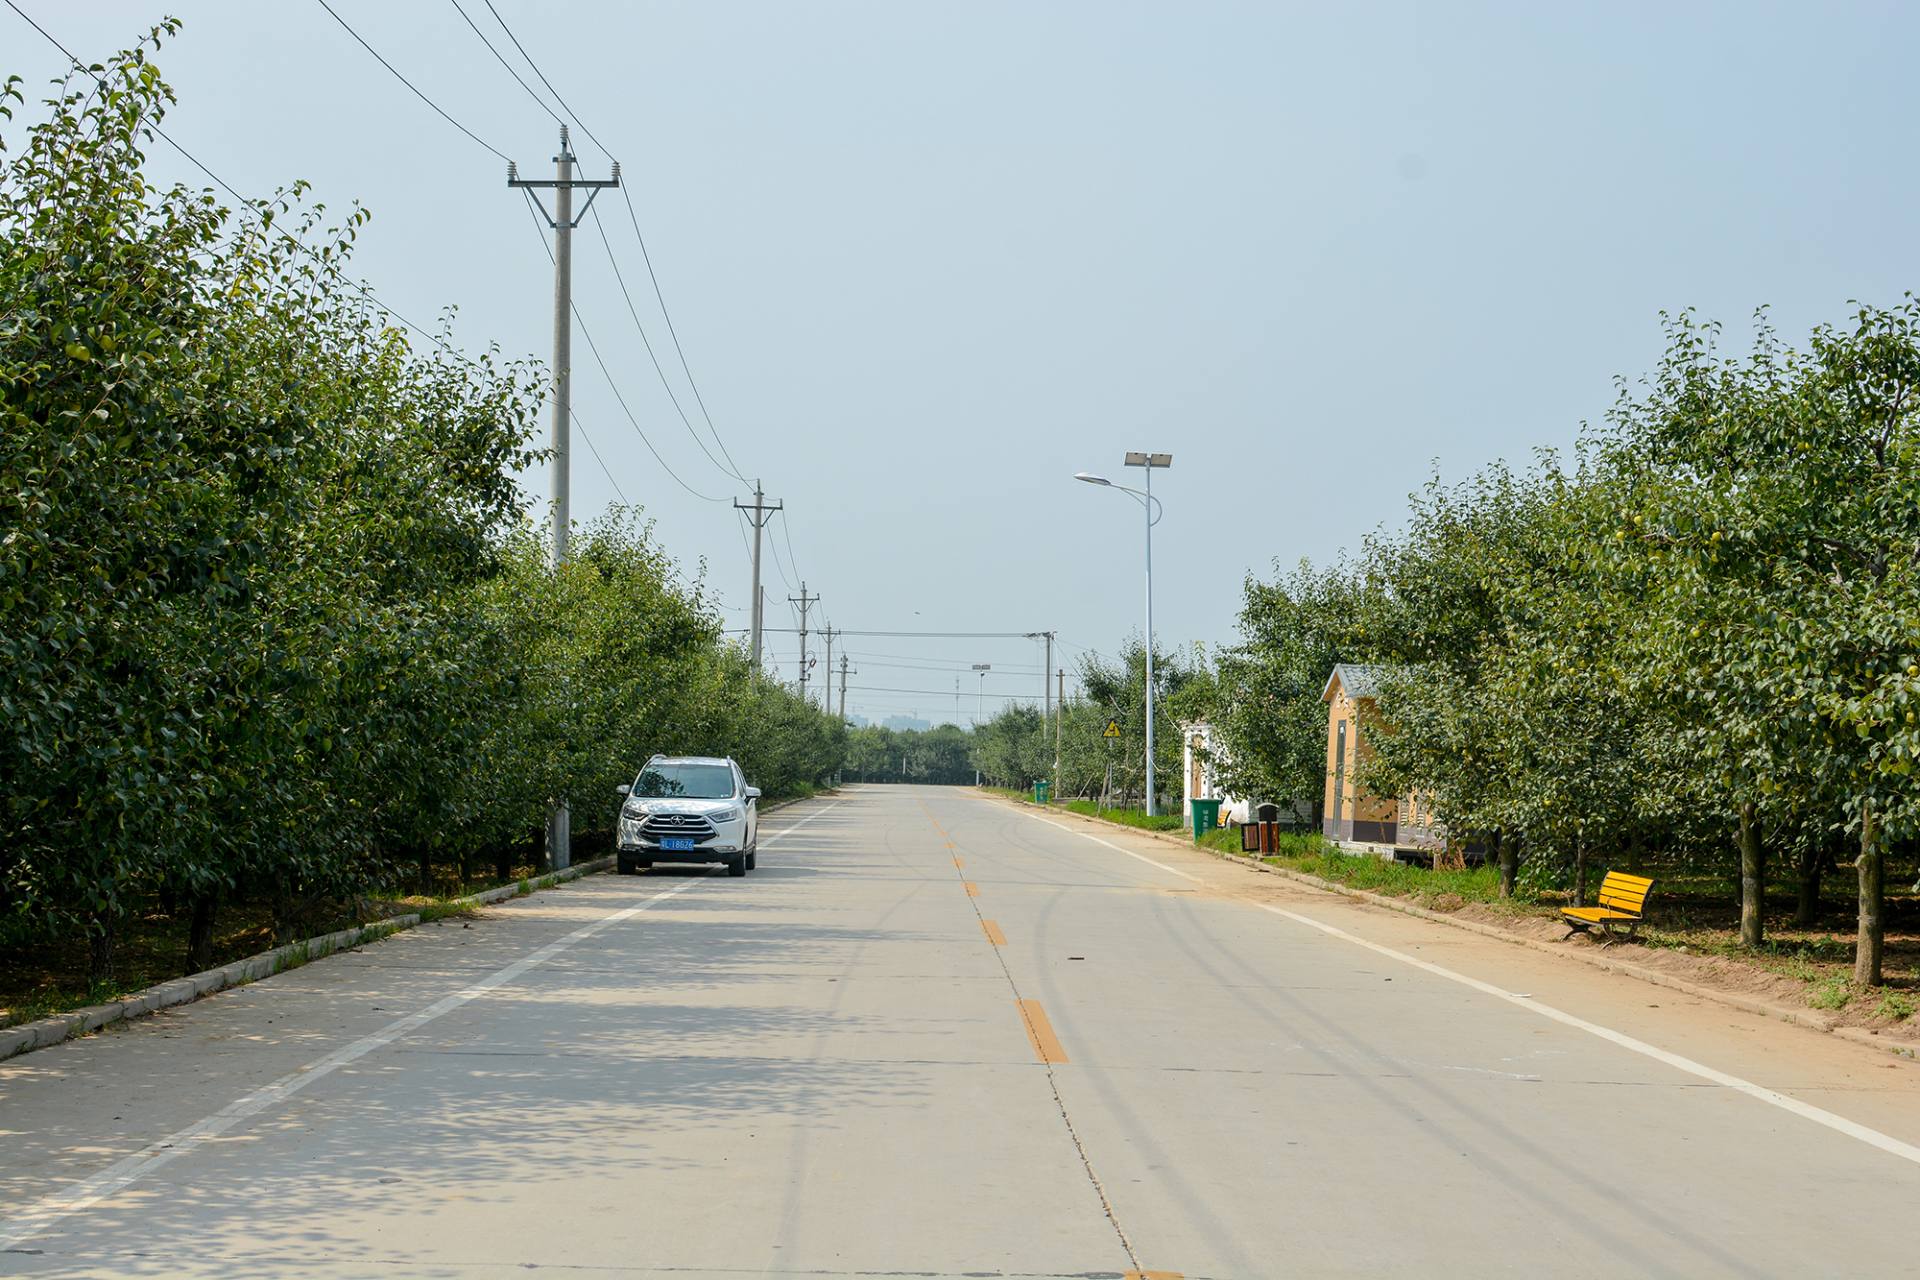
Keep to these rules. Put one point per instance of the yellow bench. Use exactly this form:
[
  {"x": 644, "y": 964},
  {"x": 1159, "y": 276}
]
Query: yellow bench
[{"x": 1623, "y": 902}]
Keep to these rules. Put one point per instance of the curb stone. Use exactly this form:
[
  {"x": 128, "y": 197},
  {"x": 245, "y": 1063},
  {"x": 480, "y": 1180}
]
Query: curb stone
[
  {"x": 28, "y": 1036},
  {"x": 1746, "y": 1004}
]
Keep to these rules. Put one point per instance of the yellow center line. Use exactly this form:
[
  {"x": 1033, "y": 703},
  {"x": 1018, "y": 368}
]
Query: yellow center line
[
  {"x": 994, "y": 935},
  {"x": 959, "y": 862},
  {"x": 973, "y": 890},
  {"x": 1046, "y": 1045},
  {"x": 1154, "y": 1275}
]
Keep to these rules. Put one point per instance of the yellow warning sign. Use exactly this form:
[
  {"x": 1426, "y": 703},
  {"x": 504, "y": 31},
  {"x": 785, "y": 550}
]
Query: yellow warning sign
[{"x": 1112, "y": 730}]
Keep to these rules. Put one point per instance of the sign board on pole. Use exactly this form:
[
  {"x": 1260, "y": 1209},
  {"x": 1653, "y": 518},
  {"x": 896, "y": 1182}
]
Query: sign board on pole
[{"x": 1112, "y": 730}]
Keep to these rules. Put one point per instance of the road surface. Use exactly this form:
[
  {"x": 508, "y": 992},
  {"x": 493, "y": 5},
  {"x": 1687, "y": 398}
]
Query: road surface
[{"x": 935, "y": 1035}]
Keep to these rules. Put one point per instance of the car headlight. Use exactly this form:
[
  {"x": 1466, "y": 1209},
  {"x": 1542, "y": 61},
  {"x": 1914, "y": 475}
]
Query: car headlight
[{"x": 725, "y": 815}]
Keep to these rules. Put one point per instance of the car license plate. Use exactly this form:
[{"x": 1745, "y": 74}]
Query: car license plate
[{"x": 677, "y": 844}]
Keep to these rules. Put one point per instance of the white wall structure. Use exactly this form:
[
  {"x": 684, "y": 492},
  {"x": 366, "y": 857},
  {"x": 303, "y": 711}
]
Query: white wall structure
[{"x": 1198, "y": 775}]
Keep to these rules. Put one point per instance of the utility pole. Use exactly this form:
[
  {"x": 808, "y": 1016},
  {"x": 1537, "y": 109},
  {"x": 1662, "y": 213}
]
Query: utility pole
[
  {"x": 1046, "y": 691},
  {"x": 826, "y": 685},
  {"x": 805, "y": 602},
  {"x": 563, "y": 220},
  {"x": 1059, "y": 714},
  {"x": 843, "y": 688},
  {"x": 762, "y": 515}
]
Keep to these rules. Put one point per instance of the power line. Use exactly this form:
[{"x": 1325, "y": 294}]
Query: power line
[
  {"x": 788, "y": 582},
  {"x": 743, "y": 541},
  {"x": 921, "y": 657},
  {"x": 671, "y": 331},
  {"x": 411, "y": 85},
  {"x": 251, "y": 206},
  {"x": 502, "y": 155},
  {"x": 942, "y": 693},
  {"x": 608, "y": 374},
  {"x": 543, "y": 80},
  {"x": 542, "y": 102},
  {"x": 934, "y": 635},
  {"x": 647, "y": 342},
  {"x": 1027, "y": 672},
  {"x": 597, "y": 458},
  {"x": 332, "y": 268},
  {"x": 786, "y": 535},
  {"x": 634, "y": 217}
]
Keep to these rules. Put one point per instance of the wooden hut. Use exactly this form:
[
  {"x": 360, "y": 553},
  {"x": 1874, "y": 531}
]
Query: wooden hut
[{"x": 1351, "y": 815}]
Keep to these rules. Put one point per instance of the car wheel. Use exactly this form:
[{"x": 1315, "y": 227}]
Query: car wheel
[
  {"x": 753, "y": 858},
  {"x": 737, "y": 865},
  {"x": 623, "y": 865}
]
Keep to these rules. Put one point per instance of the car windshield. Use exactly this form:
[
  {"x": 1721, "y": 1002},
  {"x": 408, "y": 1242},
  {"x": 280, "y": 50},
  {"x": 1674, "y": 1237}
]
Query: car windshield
[{"x": 687, "y": 781}]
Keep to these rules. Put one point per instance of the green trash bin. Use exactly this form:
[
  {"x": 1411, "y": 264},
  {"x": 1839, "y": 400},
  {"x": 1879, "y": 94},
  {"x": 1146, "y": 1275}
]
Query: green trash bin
[
  {"x": 1206, "y": 817},
  {"x": 1041, "y": 789}
]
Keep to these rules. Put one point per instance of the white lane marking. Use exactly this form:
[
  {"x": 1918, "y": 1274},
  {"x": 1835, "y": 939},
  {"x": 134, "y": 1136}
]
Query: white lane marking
[
  {"x": 89, "y": 1191},
  {"x": 1116, "y": 848},
  {"x": 786, "y": 831},
  {"x": 1806, "y": 1111}
]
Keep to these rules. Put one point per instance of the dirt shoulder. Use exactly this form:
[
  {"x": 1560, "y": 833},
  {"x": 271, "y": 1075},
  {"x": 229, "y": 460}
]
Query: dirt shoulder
[{"x": 1709, "y": 979}]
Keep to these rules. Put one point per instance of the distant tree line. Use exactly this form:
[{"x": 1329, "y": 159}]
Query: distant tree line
[
  {"x": 1016, "y": 747},
  {"x": 273, "y": 623},
  {"x": 939, "y": 755}
]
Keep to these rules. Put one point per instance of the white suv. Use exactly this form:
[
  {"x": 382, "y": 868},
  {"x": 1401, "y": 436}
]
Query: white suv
[{"x": 688, "y": 809}]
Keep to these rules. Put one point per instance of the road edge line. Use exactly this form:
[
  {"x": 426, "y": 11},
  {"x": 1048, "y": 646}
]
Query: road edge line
[
  {"x": 122, "y": 1173},
  {"x": 1805, "y": 1019},
  {"x": 44, "y": 1033},
  {"x": 1786, "y": 1102}
]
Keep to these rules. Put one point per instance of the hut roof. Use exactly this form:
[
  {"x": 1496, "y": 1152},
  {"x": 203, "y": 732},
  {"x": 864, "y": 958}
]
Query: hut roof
[{"x": 1359, "y": 680}]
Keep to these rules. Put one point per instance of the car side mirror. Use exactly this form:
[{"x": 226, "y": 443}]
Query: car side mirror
[
  {"x": 624, "y": 789},
  {"x": 753, "y": 793}
]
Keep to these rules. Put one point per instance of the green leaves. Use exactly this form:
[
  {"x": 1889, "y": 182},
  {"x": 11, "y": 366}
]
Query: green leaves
[{"x": 271, "y": 618}]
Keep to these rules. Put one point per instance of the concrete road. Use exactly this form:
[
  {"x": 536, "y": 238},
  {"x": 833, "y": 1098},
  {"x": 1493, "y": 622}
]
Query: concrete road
[{"x": 935, "y": 1035}]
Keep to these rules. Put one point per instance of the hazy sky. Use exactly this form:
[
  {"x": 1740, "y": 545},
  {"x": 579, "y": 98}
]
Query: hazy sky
[{"x": 930, "y": 260}]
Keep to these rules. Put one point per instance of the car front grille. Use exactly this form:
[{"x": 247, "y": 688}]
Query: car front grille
[{"x": 659, "y": 825}]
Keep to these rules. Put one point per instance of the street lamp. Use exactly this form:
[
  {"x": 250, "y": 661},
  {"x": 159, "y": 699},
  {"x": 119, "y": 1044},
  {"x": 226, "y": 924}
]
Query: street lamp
[
  {"x": 979, "y": 711},
  {"x": 1151, "y": 505}
]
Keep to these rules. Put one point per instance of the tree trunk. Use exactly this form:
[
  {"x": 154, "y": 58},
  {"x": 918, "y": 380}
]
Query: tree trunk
[
  {"x": 503, "y": 861},
  {"x": 1873, "y": 872},
  {"x": 1636, "y": 852},
  {"x": 1580, "y": 873},
  {"x": 1806, "y": 904},
  {"x": 101, "y": 938},
  {"x": 285, "y": 907},
  {"x": 1753, "y": 878},
  {"x": 1506, "y": 852},
  {"x": 426, "y": 872},
  {"x": 200, "y": 933}
]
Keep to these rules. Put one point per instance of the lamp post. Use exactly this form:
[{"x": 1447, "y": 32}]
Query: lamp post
[
  {"x": 1151, "y": 505},
  {"x": 980, "y": 709}
]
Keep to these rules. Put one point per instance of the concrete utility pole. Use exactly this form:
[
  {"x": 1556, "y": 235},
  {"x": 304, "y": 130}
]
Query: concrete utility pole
[
  {"x": 563, "y": 220},
  {"x": 762, "y": 515},
  {"x": 826, "y": 685},
  {"x": 1059, "y": 714},
  {"x": 1046, "y": 690},
  {"x": 805, "y": 602},
  {"x": 843, "y": 688}
]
